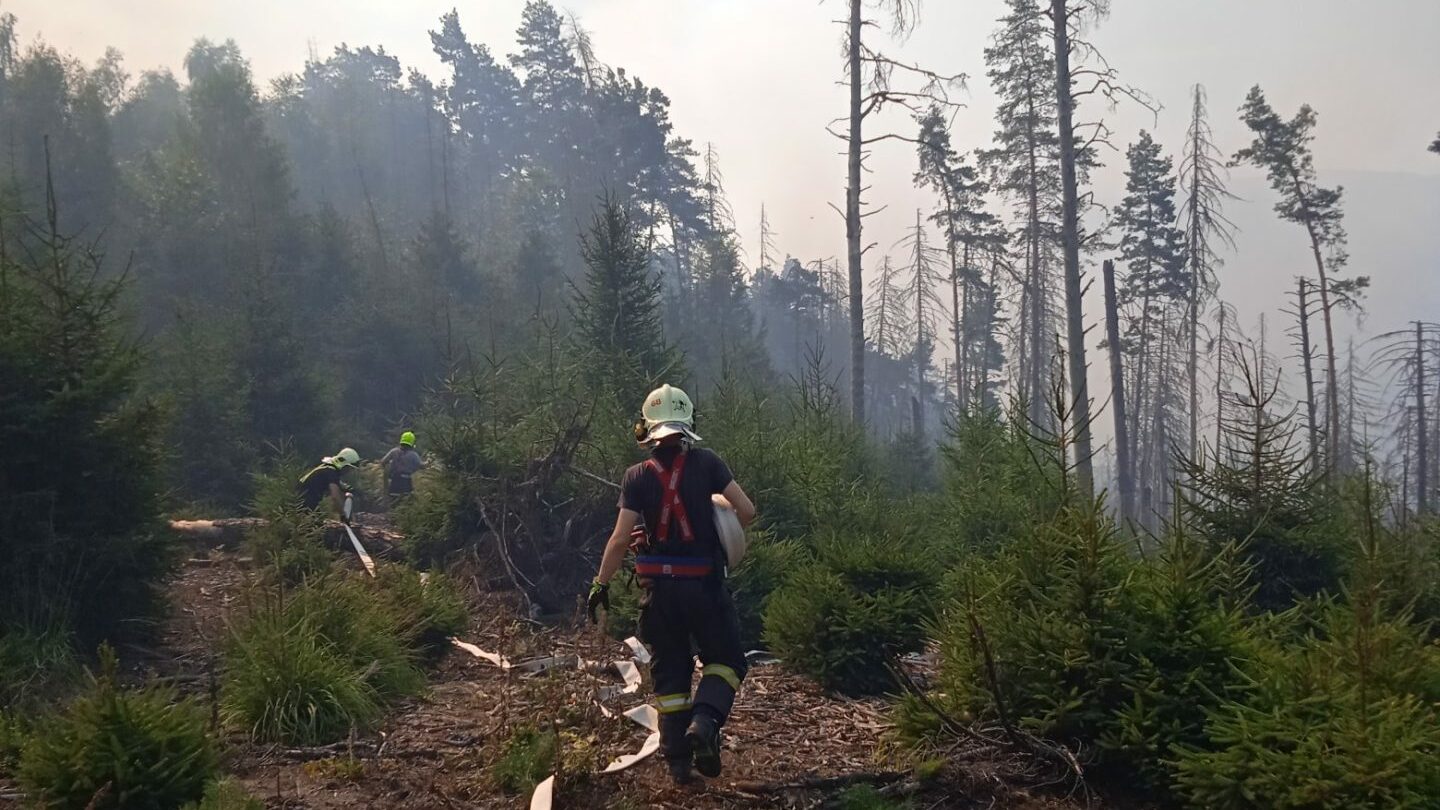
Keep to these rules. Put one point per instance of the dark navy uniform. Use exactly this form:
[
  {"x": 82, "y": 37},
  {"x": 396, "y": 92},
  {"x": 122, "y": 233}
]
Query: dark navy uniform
[
  {"x": 314, "y": 486},
  {"x": 686, "y": 606}
]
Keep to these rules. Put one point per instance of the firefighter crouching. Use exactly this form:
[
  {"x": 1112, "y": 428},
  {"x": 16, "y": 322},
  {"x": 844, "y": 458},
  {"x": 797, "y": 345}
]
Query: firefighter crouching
[
  {"x": 325, "y": 482},
  {"x": 682, "y": 566}
]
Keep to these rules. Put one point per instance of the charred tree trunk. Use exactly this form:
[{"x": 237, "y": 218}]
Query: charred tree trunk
[
  {"x": 852, "y": 225},
  {"x": 1126, "y": 473},
  {"x": 1070, "y": 233}
]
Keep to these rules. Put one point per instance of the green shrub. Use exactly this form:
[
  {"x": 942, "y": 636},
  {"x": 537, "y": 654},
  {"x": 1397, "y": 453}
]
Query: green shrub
[
  {"x": 112, "y": 748},
  {"x": 1191, "y": 646},
  {"x": 1264, "y": 494},
  {"x": 622, "y": 619},
  {"x": 844, "y": 617},
  {"x": 429, "y": 521},
  {"x": 429, "y": 612},
  {"x": 528, "y": 757},
  {"x": 289, "y": 548},
  {"x": 1054, "y": 613},
  {"x": 274, "y": 486},
  {"x": 768, "y": 563},
  {"x": 1348, "y": 716},
  {"x": 993, "y": 489},
  {"x": 1317, "y": 751},
  {"x": 227, "y": 794}
]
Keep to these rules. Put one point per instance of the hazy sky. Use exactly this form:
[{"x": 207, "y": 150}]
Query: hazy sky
[{"x": 757, "y": 77}]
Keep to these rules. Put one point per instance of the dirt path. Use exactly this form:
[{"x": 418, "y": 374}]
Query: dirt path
[{"x": 788, "y": 745}]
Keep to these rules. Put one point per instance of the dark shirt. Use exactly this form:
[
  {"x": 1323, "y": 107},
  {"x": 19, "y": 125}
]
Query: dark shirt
[
  {"x": 705, "y": 474},
  {"x": 314, "y": 486}
]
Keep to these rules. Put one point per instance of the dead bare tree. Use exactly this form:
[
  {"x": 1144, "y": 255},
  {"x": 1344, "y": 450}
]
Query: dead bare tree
[
  {"x": 1405, "y": 353},
  {"x": 1067, "y": 18},
  {"x": 868, "y": 97},
  {"x": 1307, "y": 360},
  {"x": 1202, "y": 171},
  {"x": 1126, "y": 472}
]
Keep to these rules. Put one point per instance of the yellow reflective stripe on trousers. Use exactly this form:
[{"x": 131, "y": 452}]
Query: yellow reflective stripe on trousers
[
  {"x": 722, "y": 672},
  {"x": 669, "y": 704}
]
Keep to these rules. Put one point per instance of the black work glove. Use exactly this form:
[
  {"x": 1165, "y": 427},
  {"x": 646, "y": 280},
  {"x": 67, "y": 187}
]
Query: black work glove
[{"x": 599, "y": 595}]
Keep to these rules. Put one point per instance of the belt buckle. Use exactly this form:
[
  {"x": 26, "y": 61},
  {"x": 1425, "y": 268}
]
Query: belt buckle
[{"x": 667, "y": 569}]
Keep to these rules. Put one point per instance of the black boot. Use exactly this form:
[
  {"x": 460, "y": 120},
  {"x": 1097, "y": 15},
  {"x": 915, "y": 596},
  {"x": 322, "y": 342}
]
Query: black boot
[
  {"x": 704, "y": 738},
  {"x": 681, "y": 771}
]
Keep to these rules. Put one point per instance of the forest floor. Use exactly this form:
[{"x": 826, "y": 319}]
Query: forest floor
[{"x": 788, "y": 745}]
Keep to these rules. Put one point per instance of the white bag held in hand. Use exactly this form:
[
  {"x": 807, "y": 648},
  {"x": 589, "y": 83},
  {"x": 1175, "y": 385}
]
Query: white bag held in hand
[{"x": 727, "y": 525}]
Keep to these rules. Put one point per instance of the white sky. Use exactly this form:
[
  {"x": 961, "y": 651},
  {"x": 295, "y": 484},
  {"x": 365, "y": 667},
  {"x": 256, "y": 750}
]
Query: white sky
[{"x": 757, "y": 77}]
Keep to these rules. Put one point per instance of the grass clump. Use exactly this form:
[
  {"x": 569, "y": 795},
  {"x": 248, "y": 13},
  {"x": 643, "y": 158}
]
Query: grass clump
[
  {"x": 309, "y": 669},
  {"x": 285, "y": 682},
  {"x": 226, "y": 794},
  {"x": 343, "y": 770},
  {"x": 868, "y": 797},
  {"x": 112, "y": 748},
  {"x": 526, "y": 759},
  {"x": 35, "y": 666}
]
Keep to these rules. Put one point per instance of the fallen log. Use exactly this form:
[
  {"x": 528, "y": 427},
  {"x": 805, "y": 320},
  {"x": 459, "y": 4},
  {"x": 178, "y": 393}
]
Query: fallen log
[
  {"x": 224, "y": 533},
  {"x": 227, "y": 533}
]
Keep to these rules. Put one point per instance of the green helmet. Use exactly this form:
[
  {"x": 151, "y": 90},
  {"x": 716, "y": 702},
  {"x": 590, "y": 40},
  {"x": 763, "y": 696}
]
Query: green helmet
[
  {"x": 345, "y": 458},
  {"x": 407, "y": 439}
]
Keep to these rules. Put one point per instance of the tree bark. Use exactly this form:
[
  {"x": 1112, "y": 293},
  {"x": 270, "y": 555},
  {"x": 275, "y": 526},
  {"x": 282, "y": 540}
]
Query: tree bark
[
  {"x": 1197, "y": 274},
  {"x": 1422, "y": 477},
  {"x": 919, "y": 326},
  {"x": 1070, "y": 233},
  {"x": 1220, "y": 383},
  {"x": 1332, "y": 400},
  {"x": 1307, "y": 359},
  {"x": 1117, "y": 397},
  {"x": 852, "y": 226},
  {"x": 960, "y": 380},
  {"x": 982, "y": 379},
  {"x": 1036, "y": 284}
]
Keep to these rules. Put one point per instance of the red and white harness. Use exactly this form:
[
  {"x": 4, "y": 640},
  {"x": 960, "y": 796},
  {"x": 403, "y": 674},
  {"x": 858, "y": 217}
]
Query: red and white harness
[
  {"x": 671, "y": 507},
  {"x": 670, "y": 503}
]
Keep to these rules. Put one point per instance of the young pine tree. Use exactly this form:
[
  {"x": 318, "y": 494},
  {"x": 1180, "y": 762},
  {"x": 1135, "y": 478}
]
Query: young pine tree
[
  {"x": 1259, "y": 490},
  {"x": 79, "y": 490},
  {"x": 618, "y": 308}
]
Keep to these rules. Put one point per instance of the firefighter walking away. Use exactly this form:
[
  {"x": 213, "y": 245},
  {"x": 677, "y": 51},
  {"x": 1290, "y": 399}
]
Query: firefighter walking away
[
  {"x": 681, "y": 563},
  {"x": 400, "y": 466}
]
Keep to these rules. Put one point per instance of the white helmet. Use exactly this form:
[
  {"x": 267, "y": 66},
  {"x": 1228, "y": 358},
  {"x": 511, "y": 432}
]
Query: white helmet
[
  {"x": 667, "y": 411},
  {"x": 347, "y": 457}
]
